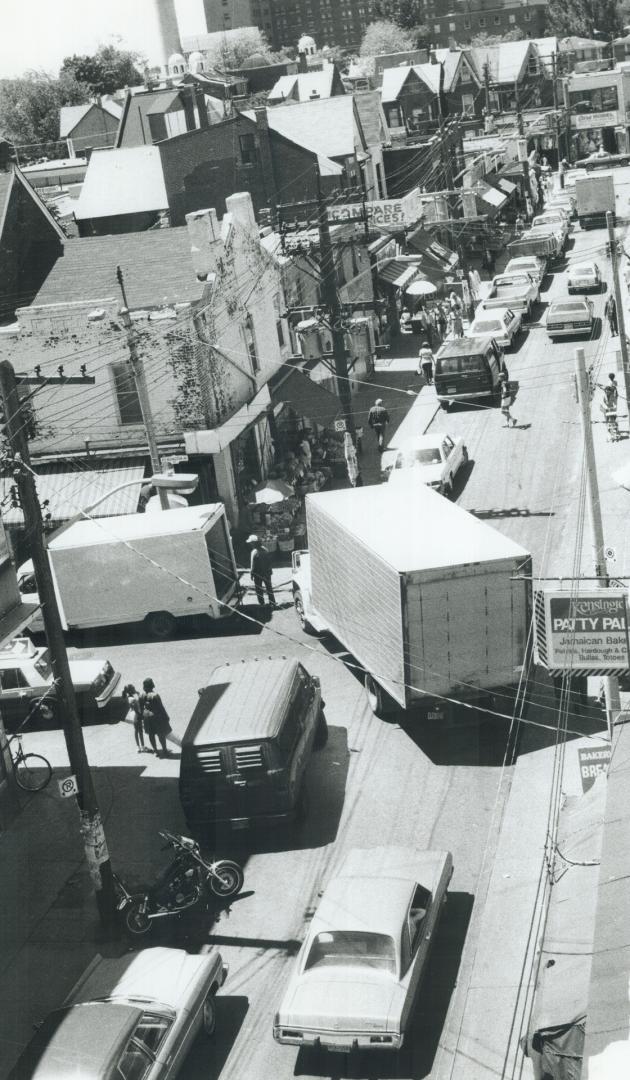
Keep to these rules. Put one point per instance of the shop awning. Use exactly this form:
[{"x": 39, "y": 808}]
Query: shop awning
[
  {"x": 69, "y": 490},
  {"x": 434, "y": 255},
  {"x": 398, "y": 272},
  {"x": 490, "y": 195},
  {"x": 309, "y": 398},
  {"x": 215, "y": 440},
  {"x": 506, "y": 185}
]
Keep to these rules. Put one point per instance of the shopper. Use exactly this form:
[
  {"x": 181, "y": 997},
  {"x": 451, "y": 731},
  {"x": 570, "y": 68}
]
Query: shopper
[
  {"x": 260, "y": 569},
  {"x": 134, "y": 716},
  {"x": 507, "y": 399},
  {"x": 425, "y": 362},
  {"x": 611, "y": 315},
  {"x": 154, "y": 717},
  {"x": 378, "y": 419}
]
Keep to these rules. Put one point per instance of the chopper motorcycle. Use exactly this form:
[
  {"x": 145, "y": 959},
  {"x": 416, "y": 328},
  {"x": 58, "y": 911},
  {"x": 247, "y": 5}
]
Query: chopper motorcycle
[{"x": 187, "y": 881}]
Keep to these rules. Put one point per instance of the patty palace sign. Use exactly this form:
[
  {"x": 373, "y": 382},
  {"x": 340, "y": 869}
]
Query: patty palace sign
[{"x": 586, "y": 632}]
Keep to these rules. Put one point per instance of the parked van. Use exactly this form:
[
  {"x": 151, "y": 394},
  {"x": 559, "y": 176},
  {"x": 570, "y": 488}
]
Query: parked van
[
  {"x": 248, "y": 743},
  {"x": 467, "y": 368}
]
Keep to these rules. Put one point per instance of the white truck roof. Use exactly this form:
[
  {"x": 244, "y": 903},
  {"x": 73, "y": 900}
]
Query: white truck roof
[
  {"x": 185, "y": 519},
  {"x": 414, "y": 528}
]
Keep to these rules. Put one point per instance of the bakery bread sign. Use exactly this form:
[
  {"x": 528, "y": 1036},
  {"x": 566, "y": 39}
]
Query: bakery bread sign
[{"x": 585, "y": 633}]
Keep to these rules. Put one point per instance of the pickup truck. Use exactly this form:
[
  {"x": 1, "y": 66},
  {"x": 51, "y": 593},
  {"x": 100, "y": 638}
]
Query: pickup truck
[
  {"x": 519, "y": 292},
  {"x": 540, "y": 240},
  {"x": 556, "y": 221}
]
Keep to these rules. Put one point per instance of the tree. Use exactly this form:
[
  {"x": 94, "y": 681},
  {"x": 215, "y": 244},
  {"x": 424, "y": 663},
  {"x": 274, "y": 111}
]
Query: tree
[
  {"x": 408, "y": 14},
  {"x": 484, "y": 39},
  {"x": 240, "y": 47},
  {"x": 108, "y": 70},
  {"x": 583, "y": 18},
  {"x": 385, "y": 37},
  {"x": 29, "y": 110}
]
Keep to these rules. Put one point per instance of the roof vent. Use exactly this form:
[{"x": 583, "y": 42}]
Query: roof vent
[{"x": 314, "y": 93}]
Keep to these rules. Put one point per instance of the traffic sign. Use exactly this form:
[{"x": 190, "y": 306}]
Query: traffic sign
[{"x": 68, "y": 787}]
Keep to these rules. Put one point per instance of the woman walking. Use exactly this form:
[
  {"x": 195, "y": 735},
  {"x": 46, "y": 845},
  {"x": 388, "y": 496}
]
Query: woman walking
[
  {"x": 154, "y": 717},
  {"x": 134, "y": 714}
]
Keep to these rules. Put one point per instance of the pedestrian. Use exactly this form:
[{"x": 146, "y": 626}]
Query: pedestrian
[
  {"x": 304, "y": 450},
  {"x": 457, "y": 325},
  {"x": 611, "y": 315},
  {"x": 425, "y": 362},
  {"x": 519, "y": 224},
  {"x": 442, "y": 321},
  {"x": 564, "y": 165},
  {"x": 134, "y": 716},
  {"x": 454, "y": 302},
  {"x": 154, "y": 717},
  {"x": 611, "y": 392},
  {"x": 405, "y": 321},
  {"x": 260, "y": 569},
  {"x": 506, "y": 401},
  {"x": 488, "y": 261},
  {"x": 378, "y": 419}
]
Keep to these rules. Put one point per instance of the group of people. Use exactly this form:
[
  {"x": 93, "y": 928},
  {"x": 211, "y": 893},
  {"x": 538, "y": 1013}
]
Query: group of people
[
  {"x": 437, "y": 320},
  {"x": 149, "y": 717}
]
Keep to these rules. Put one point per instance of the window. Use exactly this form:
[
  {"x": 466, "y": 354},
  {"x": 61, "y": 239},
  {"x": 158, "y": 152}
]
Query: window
[
  {"x": 127, "y": 400},
  {"x": 527, "y": 16},
  {"x": 151, "y": 1031},
  {"x": 437, "y": 28},
  {"x": 135, "y": 1063},
  {"x": 248, "y": 148},
  {"x": 482, "y": 20},
  {"x": 497, "y": 20},
  {"x": 250, "y": 341},
  {"x": 279, "y": 324},
  {"x": 417, "y": 914},
  {"x": 452, "y": 27},
  {"x": 466, "y": 22},
  {"x": 601, "y": 99},
  {"x": 511, "y": 18},
  {"x": 12, "y": 679}
]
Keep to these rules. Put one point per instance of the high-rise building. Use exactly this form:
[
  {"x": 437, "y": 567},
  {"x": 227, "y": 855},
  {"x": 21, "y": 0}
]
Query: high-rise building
[{"x": 284, "y": 22}]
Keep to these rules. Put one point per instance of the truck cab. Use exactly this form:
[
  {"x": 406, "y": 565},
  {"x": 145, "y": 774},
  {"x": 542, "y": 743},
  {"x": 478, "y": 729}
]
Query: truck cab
[{"x": 302, "y": 598}]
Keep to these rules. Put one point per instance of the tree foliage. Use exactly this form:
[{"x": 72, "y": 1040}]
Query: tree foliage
[
  {"x": 583, "y": 18},
  {"x": 29, "y": 109},
  {"x": 385, "y": 37},
  {"x": 108, "y": 70},
  {"x": 245, "y": 46},
  {"x": 408, "y": 14},
  {"x": 482, "y": 39}
]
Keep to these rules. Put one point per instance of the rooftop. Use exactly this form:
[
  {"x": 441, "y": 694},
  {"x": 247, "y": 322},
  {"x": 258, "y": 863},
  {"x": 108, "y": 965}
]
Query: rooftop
[
  {"x": 126, "y": 181},
  {"x": 505, "y": 60},
  {"x": 71, "y": 115},
  {"x": 325, "y": 126},
  {"x": 304, "y": 86},
  {"x": 242, "y": 702}
]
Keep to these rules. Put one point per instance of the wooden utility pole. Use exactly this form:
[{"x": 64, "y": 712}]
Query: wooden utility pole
[
  {"x": 90, "y": 821},
  {"x": 137, "y": 370},
  {"x": 331, "y": 301},
  {"x": 621, "y": 322}
]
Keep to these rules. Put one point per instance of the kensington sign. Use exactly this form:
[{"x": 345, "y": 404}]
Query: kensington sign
[{"x": 586, "y": 633}]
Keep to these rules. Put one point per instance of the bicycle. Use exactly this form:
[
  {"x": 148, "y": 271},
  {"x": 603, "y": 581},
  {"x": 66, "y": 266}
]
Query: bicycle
[{"x": 32, "y": 771}]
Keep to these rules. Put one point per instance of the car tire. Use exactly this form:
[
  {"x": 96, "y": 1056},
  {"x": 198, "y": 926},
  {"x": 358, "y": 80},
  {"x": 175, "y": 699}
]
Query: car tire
[
  {"x": 298, "y": 603},
  {"x": 445, "y": 404},
  {"x": 379, "y": 701},
  {"x": 447, "y": 488},
  {"x": 465, "y": 457},
  {"x": 209, "y": 1014}
]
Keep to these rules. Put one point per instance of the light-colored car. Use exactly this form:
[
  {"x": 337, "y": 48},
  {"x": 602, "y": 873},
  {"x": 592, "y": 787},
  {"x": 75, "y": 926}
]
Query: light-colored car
[
  {"x": 502, "y": 324},
  {"x": 555, "y": 220},
  {"x": 27, "y": 688},
  {"x": 130, "y": 1018},
  {"x": 569, "y": 315},
  {"x": 534, "y": 265},
  {"x": 433, "y": 459},
  {"x": 357, "y": 974},
  {"x": 583, "y": 276},
  {"x": 518, "y": 291}
]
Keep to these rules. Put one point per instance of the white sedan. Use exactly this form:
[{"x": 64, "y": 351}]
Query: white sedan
[
  {"x": 583, "y": 276},
  {"x": 567, "y": 316},
  {"x": 534, "y": 265},
  {"x": 433, "y": 459},
  {"x": 358, "y": 971},
  {"x": 502, "y": 324}
]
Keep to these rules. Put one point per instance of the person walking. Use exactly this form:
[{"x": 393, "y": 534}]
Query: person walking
[
  {"x": 611, "y": 315},
  {"x": 378, "y": 419},
  {"x": 134, "y": 714},
  {"x": 154, "y": 717},
  {"x": 457, "y": 324},
  {"x": 260, "y": 569},
  {"x": 442, "y": 321},
  {"x": 507, "y": 399},
  {"x": 425, "y": 362}
]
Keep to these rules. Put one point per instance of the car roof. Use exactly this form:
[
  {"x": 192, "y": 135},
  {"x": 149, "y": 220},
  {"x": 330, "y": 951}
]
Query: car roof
[
  {"x": 242, "y": 702},
  {"x": 590, "y": 263},
  {"x": 490, "y": 313},
  {"x": 82, "y": 1041},
  {"x": 463, "y": 346},
  {"x": 568, "y": 300},
  {"x": 417, "y": 442}
]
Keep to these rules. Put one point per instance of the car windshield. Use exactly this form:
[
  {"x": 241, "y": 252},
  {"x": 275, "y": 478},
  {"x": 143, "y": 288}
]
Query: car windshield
[
  {"x": 487, "y": 326},
  {"x": 42, "y": 665},
  {"x": 584, "y": 269},
  {"x": 429, "y": 455},
  {"x": 348, "y": 948},
  {"x": 520, "y": 280},
  {"x": 557, "y": 309}
]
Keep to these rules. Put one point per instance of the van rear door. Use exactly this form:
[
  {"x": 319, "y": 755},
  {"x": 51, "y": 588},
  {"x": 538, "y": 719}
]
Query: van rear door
[{"x": 463, "y": 376}]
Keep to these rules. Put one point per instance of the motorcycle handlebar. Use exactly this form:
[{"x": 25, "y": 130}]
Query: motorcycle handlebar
[{"x": 178, "y": 841}]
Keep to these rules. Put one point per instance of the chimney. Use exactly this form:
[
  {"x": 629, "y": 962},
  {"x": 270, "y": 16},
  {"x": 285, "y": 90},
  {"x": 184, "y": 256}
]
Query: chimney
[
  {"x": 266, "y": 157},
  {"x": 204, "y": 233},
  {"x": 202, "y": 108},
  {"x": 241, "y": 208},
  {"x": 302, "y": 64},
  {"x": 168, "y": 31},
  {"x": 452, "y": 45}
]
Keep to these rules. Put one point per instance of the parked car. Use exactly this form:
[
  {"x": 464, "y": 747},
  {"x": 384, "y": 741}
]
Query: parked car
[
  {"x": 467, "y": 368},
  {"x": 133, "y": 1017},
  {"x": 555, "y": 220},
  {"x": 583, "y": 276},
  {"x": 519, "y": 291},
  {"x": 567, "y": 316},
  {"x": 502, "y": 324},
  {"x": 563, "y": 200},
  {"x": 534, "y": 265},
  {"x": 433, "y": 459},
  {"x": 27, "y": 687},
  {"x": 356, "y": 976}
]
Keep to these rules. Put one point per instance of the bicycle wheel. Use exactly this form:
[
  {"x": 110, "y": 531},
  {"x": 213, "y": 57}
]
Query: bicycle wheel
[{"x": 33, "y": 772}]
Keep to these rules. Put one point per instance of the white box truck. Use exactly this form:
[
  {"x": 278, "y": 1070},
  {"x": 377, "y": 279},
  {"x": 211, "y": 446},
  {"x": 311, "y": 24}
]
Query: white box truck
[
  {"x": 430, "y": 601},
  {"x": 151, "y": 568},
  {"x": 595, "y": 195}
]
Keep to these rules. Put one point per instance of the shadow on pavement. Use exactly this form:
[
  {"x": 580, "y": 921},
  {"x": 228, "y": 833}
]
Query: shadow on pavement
[
  {"x": 208, "y": 1056},
  {"x": 461, "y": 735},
  {"x": 426, "y": 1020},
  {"x": 188, "y": 628}
]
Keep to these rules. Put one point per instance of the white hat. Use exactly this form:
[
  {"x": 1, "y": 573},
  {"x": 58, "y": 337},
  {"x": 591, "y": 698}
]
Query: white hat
[{"x": 253, "y": 539}]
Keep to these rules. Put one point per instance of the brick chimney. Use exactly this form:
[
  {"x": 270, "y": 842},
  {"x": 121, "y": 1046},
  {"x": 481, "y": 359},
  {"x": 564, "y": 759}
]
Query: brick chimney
[
  {"x": 204, "y": 233},
  {"x": 241, "y": 207},
  {"x": 266, "y": 157},
  {"x": 302, "y": 64}
]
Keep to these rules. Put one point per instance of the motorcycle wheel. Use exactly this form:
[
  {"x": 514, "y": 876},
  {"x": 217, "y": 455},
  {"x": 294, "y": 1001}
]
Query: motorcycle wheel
[
  {"x": 227, "y": 878},
  {"x": 137, "y": 922},
  {"x": 210, "y": 1014}
]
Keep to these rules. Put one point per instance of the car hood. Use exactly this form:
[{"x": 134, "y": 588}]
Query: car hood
[
  {"x": 159, "y": 975},
  {"x": 341, "y": 1000},
  {"x": 84, "y": 672},
  {"x": 424, "y": 474}
]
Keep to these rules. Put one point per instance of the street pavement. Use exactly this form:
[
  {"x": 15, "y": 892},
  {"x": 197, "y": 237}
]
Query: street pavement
[{"x": 451, "y": 785}]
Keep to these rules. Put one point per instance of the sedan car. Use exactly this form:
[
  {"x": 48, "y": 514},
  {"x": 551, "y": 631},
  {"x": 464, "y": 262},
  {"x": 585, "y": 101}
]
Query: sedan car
[
  {"x": 131, "y": 1018},
  {"x": 27, "y": 687},
  {"x": 357, "y": 974},
  {"x": 534, "y": 265},
  {"x": 568, "y": 316},
  {"x": 583, "y": 276},
  {"x": 502, "y": 324},
  {"x": 433, "y": 459}
]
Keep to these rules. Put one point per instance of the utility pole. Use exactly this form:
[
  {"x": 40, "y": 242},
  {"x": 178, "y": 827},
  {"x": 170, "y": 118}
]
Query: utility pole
[
  {"x": 90, "y": 823},
  {"x": 519, "y": 115},
  {"x": 486, "y": 85},
  {"x": 137, "y": 370},
  {"x": 331, "y": 301},
  {"x": 611, "y": 682},
  {"x": 621, "y": 322}
]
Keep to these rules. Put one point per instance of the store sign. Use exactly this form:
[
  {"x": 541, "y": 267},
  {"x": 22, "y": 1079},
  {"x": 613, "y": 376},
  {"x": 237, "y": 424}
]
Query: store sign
[
  {"x": 403, "y": 211},
  {"x": 585, "y": 121},
  {"x": 586, "y": 633},
  {"x": 593, "y": 762}
]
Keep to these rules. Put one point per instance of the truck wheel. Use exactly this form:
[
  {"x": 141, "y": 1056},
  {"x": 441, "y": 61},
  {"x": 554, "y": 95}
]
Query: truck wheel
[
  {"x": 380, "y": 703},
  {"x": 160, "y": 624},
  {"x": 445, "y": 404},
  {"x": 299, "y": 611}
]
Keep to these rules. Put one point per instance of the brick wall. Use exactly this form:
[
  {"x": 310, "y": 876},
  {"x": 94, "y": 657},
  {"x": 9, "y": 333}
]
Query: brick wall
[{"x": 29, "y": 246}]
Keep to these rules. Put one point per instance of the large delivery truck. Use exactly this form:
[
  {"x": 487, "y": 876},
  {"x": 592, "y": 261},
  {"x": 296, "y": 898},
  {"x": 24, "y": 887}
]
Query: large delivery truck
[
  {"x": 595, "y": 195},
  {"x": 430, "y": 602},
  {"x": 152, "y": 568}
]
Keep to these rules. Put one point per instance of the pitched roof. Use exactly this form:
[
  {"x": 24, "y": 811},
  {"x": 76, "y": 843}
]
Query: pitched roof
[
  {"x": 127, "y": 181},
  {"x": 139, "y": 103},
  {"x": 505, "y": 60},
  {"x": 370, "y": 110},
  {"x": 569, "y": 44},
  {"x": 326, "y": 127},
  {"x": 393, "y": 81},
  {"x": 71, "y": 115},
  {"x": 157, "y": 266},
  {"x": 7, "y": 182},
  {"x": 304, "y": 86}
]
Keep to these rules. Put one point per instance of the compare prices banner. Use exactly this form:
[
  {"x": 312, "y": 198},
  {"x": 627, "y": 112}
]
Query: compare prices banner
[{"x": 404, "y": 211}]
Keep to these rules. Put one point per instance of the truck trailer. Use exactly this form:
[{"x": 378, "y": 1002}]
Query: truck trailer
[
  {"x": 152, "y": 568},
  {"x": 595, "y": 195},
  {"x": 431, "y": 602}
]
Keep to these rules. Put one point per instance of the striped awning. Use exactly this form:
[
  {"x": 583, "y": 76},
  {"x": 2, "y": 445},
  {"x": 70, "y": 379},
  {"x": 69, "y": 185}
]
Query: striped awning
[
  {"x": 398, "y": 272},
  {"x": 69, "y": 488}
]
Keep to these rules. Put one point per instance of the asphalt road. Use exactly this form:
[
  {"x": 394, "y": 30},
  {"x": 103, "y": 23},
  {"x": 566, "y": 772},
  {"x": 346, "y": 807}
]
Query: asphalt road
[{"x": 426, "y": 784}]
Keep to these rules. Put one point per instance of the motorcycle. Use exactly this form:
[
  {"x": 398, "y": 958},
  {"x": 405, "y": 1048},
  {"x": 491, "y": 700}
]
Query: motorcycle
[{"x": 188, "y": 880}]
